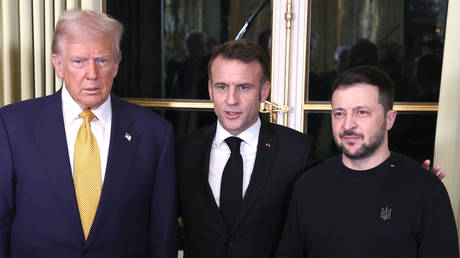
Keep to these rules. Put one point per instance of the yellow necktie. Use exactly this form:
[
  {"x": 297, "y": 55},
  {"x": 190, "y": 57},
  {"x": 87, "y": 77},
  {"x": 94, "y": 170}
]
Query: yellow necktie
[{"x": 87, "y": 172}]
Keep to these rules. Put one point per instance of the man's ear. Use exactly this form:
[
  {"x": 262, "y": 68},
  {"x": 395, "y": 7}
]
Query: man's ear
[
  {"x": 57, "y": 63},
  {"x": 390, "y": 119},
  {"x": 265, "y": 91},
  {"x": 115, "y": 69},
  {"x": 210, "y": 89}
]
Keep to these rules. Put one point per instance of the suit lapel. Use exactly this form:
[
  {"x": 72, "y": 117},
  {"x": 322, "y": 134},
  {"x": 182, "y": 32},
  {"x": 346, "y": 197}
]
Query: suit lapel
[
  {"x": 266, "y": 149},
  {"x": 51, "y": 139},
  {"x": 122, "y": 149}
]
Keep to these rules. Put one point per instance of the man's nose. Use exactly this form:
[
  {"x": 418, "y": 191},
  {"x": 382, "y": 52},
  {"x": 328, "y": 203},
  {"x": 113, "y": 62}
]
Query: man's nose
[
  {"x": 232, "y": 97},
  {"x": 91, "y": 70},
  {"x": 349, "y": 122}
]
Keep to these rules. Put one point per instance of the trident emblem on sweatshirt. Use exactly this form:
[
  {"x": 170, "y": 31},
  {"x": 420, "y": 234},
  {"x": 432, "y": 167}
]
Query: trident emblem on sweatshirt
[{"x": 385, "y": 213}]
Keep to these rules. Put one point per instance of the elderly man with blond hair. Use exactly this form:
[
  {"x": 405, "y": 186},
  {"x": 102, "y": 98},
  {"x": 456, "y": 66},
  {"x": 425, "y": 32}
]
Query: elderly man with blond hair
[{"x": 82, "y": 172}]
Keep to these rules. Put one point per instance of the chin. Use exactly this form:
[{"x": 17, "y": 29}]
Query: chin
[{"x": 232, "y": 130}]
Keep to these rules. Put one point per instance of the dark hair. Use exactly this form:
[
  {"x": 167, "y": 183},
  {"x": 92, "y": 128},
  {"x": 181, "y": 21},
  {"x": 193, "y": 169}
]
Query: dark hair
[
  {"x": 245, "y": 51},
  {"x": 369, "y": 75},
  {"x": 364, "y": 52}
]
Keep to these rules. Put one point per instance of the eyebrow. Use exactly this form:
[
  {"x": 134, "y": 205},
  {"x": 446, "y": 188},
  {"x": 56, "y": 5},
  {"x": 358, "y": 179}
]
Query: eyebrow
[
  {"x": 354, "y": 108},
  {"x": 104, "y": 56},
  {"x": 239, "y": 84},
  {"x": 219, "y": 83},
  {"x": 361, "y": 107},
  {"x": 95, "y": 57}
]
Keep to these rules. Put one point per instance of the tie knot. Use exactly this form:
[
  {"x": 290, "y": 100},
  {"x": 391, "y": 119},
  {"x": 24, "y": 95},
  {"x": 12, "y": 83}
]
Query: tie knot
[
  {"x": 87, "y": 115},
  {"x": 234, "y": 143}
]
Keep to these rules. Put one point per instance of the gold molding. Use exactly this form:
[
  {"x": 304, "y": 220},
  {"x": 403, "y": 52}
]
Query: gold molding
[
  {"x": 172, "y": 103},
  {"x": 274, "y": 117},
  {"x": 270, "y": 108},
  {"x": 416, "y": 106},
  {"x": 306, "y": 63},
  {"x": 398, "y": 106},
  {"x": 316, "y": 106},
  {"x": 287, "y": 65}
]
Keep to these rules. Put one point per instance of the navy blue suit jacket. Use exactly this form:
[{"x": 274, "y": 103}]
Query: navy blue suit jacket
[{"x": 137, "y": 213}]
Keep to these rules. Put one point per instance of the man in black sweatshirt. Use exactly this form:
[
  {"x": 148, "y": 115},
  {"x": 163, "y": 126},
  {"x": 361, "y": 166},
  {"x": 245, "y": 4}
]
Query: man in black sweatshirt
[{"x": 369, "y": 201}]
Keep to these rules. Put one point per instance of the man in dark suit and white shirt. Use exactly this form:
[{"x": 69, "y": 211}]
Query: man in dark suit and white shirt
[
  {"x": 82, "y": 172},
  {"x": 233, "y": 202}
]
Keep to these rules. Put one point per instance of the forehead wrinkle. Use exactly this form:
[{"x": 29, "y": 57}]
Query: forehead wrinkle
[
  {"x": 338, "y": 108},
  {"x": 233, "y": 83},
  {"x": 69, "y": 43},
  {"x": 219, "y": 82},
  {"x": 361, "y": 107},
  {"x": 244, "y": 84}
]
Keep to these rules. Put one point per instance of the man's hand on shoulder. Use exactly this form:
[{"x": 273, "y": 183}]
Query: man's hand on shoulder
[{"x": 435, "y": 170}]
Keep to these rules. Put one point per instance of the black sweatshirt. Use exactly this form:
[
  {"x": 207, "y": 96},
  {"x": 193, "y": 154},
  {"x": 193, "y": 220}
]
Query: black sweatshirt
[{"x": 397, "y": 209}]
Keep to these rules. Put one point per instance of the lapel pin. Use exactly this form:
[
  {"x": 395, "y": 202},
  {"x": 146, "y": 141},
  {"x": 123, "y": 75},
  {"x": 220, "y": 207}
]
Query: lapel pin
[
  {"x": 267, "y": 144},
  {"x": 128, "y": 136}
]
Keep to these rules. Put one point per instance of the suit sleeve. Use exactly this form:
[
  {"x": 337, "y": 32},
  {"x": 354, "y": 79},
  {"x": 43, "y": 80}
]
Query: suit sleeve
[
  {"x": 163, "y": 231},
  {"x": 6, "y": 190},
  {"x": 438, "y": 235},
  {"x": 309, "y": 158},
  {"x": 291, "y": 243}
]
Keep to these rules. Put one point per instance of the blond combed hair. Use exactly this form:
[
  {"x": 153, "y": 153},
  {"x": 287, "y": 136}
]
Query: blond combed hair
[{"x": 75, "y": 24}]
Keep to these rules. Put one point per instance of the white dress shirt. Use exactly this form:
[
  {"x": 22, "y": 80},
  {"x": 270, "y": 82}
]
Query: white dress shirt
[
  {"x": 100, "y": 126},
  {"x": 220, "y": 152}
]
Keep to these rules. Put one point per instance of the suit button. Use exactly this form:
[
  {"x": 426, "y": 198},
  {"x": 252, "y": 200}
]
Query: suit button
[{"x": 85, "y": 254}]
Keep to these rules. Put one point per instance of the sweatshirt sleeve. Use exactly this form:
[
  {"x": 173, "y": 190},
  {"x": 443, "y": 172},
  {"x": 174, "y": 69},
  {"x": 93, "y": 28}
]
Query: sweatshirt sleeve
[
  {"x": 438, "y": 236},
  {"x": 291, "y": 244}
]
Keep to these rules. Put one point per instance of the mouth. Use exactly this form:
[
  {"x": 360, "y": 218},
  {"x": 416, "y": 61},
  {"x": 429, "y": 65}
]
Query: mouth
[
  {"x": 232, "y": 114},
  {"x": 351, "y": 136},
  {"x": 91, "y": 91}
]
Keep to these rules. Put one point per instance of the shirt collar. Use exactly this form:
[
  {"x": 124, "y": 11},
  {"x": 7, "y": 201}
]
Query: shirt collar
[
  {"x": 71, "y": 109},
  {"x": 250, "y": 136}
]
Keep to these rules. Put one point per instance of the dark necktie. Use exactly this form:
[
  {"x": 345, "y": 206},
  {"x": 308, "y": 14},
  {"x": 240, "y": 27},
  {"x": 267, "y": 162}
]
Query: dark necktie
[{"x": 231, "y": 193}]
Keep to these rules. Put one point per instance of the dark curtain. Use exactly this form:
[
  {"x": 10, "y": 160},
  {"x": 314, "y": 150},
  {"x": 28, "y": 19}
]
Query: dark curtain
[{"x": 140, "y": 71}]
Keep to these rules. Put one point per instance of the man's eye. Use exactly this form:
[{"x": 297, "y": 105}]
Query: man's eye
[
  {"x": 363, "y": 112},
  {"x": 102, "y": 62},
  {"x": 338, "y": 114},
  {"x": 220, "y": 86},
  {"x": 244, "y": 87},
  {"x": 77, "y": 63}
]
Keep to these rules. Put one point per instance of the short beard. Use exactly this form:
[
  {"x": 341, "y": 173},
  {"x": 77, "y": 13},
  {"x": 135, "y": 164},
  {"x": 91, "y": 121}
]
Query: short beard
[{"x": 366, "y": 150}]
